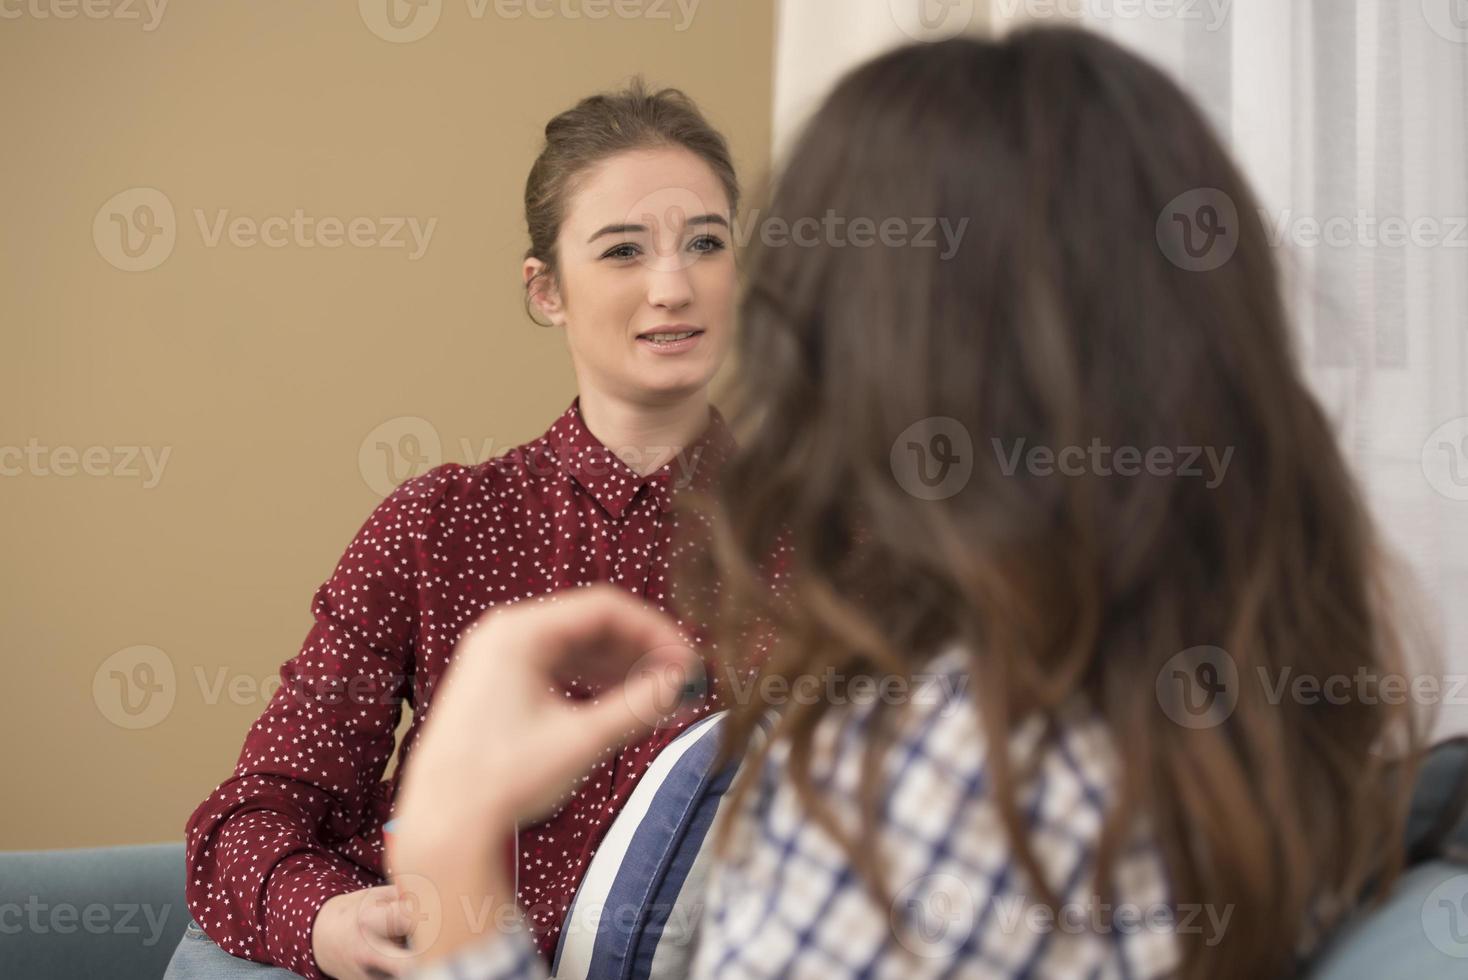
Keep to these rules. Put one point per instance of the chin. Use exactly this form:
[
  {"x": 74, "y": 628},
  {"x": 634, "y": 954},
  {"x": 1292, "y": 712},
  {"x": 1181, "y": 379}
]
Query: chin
[
  {"x": 674, "y": 384},
  {"x": 673, "y": 390}
]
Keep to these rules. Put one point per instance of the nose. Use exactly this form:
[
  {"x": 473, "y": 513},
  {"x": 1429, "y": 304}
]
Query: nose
[{"x": 668, "y": 285}]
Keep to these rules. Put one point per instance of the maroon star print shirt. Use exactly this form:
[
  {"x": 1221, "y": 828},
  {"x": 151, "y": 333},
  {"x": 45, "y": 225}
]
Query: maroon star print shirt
[{"x": 300, "y": 821}]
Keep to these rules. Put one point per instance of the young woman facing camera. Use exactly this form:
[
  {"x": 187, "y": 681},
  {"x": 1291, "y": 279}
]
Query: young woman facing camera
[
  {"x": 997, "y": 824},
  {"x": 629, "y": 208}
]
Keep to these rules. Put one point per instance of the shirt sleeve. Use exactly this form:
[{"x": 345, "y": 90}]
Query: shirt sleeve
[{"x": 259, "y": 847}]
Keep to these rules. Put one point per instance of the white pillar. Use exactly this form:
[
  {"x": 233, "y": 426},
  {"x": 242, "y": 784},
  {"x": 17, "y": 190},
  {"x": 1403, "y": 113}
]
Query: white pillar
[{"x": 817, "y": 41}]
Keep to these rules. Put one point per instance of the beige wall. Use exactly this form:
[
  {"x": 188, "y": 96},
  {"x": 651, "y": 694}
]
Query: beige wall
[{"x": 261, "y": 371}]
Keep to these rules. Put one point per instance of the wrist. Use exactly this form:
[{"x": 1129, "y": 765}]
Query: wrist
[
  {"x": 458, "y": 904},
  {"x": 453, "y": 873}
]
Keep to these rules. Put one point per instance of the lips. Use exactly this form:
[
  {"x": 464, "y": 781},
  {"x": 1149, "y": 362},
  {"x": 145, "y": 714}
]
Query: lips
[
  {"x": 671, "y": 331},
  {"x": 673, "y": 342}
]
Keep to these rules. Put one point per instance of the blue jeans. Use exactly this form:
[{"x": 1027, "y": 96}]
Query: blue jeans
[{"x": 199, "y": 958}]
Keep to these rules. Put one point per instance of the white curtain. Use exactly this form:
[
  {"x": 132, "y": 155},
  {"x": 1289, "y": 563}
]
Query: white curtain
[
  {"x": 1351, "y": 119},
  {"x": 817, "y": 40}
]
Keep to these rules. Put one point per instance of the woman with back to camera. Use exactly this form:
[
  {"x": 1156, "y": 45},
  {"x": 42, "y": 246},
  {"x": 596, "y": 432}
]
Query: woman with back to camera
[
  {"x": 629, "y": 207},
  {"x": 1062, "y": 595}
]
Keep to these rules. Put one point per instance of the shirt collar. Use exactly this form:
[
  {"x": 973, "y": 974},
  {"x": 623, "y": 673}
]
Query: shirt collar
[{"x": 613, "y": 484}]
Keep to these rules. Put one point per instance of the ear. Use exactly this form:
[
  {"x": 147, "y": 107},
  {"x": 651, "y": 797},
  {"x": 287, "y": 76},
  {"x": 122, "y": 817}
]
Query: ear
[{"x": 544, "y": 293}]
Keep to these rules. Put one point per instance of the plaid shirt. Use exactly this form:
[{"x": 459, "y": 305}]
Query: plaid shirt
[{"x": 785, "y": 902}]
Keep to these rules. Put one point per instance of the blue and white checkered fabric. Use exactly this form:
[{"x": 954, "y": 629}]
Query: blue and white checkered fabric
[{"x": 785, "y": 902}]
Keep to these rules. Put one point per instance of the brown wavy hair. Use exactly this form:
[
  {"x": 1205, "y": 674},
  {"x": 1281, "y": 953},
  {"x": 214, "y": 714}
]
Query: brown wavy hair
[{"x": 1060, "y": 319}]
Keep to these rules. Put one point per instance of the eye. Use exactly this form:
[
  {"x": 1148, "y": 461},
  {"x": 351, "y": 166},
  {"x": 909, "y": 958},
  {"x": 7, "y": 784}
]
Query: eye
[
  {"x": 707, "y": 243},
  {"x": 626, "y": 250}
]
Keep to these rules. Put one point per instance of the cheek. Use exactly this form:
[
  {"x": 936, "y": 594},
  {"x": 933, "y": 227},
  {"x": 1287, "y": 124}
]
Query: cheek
[
  {"x": 604, "y": 304},
  {"x": 716, "y": 288}
]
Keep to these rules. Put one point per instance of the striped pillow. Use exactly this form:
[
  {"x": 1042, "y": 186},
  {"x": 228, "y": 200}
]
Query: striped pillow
[{"x": 635, "y": 915}]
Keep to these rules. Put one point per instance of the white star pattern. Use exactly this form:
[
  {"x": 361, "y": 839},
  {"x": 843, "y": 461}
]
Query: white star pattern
[{"x": 300, "y": 820}]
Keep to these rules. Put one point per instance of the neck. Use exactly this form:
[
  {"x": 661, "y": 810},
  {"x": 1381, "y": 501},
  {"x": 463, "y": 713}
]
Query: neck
[{"x": 645, "y": 436}]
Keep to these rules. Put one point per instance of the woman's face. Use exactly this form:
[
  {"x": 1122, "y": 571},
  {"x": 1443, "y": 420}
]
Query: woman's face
[{"x": 644, "y": 248}]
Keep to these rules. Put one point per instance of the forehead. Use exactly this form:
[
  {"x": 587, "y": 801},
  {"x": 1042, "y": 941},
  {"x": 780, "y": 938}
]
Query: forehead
[{"x": 624, "y": 187}]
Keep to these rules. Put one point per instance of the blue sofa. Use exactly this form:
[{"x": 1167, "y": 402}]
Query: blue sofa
[
  {"x": 103, "y": 913},
  {"x": 1392, "y": 942},
  {"x": 119, "y": 912}
]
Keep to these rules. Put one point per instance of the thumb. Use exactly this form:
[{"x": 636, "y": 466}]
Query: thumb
[
  {"x": 576, "y": 734},
  {"x": 387, "y": 910},
  {"x": 652, "y": 694}
]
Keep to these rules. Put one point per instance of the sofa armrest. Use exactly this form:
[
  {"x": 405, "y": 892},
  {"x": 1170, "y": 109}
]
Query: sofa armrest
[
  {"x": 1420, "y": 931},
  {"x": 114, "y": 912}
]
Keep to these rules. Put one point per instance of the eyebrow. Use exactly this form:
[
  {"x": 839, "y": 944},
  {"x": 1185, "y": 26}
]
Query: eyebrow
[{"x": 702, "y": 219}]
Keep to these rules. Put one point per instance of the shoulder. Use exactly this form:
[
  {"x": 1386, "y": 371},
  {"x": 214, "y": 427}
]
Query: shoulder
[
  {"x": 417, "y": 499},
  {"x": 460, "y": 489},
  {"x": 445, "y": 479},
  {"x": 513, "y": 487},
  {"x": 940, "y": 752},
  {"x": 530, "y": 471},
  {"x": 942, "y": 839}
]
